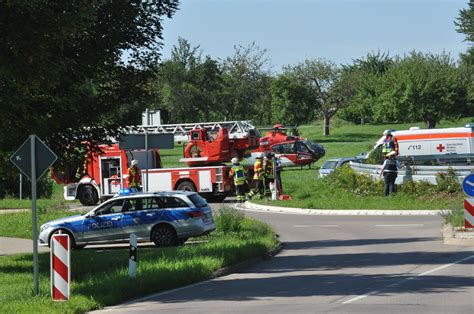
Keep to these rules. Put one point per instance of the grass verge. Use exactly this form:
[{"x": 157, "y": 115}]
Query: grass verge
[
  {"x": 308, "y": 191},
  {"x": 56, "y": 200},
  {"x": 100, "y": 277}
]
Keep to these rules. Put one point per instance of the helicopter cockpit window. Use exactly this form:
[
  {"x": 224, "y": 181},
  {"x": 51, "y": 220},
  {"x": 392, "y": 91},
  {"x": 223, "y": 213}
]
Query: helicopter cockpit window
[
  {"x": 301, "y": 148},
  {"x": 288, "y": 148}
]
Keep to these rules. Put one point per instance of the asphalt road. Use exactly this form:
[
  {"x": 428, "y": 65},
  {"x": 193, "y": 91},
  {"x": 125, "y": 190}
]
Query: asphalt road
[{"x": 338, "y": 264}]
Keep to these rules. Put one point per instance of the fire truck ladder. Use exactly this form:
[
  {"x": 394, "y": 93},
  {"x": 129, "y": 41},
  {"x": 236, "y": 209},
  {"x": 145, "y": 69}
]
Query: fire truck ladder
[{"x": 237, "y": 129}]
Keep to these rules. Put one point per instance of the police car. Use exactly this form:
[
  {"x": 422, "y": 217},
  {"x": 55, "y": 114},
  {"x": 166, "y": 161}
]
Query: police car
[{"x": 165, "y": 218}]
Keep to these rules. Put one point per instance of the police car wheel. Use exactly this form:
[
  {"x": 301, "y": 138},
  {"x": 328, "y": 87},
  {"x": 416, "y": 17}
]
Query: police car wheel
[
  {"x": 71, "y": 237},
  {"x": 164, "y": 235}
]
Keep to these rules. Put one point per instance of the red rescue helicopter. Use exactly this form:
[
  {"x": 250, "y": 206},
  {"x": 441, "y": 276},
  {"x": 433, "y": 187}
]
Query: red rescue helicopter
[
  {"x": 208, "y": 147},
  {"x": 292, "y": 150}
]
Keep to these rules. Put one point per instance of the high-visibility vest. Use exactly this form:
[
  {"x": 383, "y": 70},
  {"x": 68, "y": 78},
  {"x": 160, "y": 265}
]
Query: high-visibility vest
[
  {"x": 238, "y": 172},
  {"x": 134, "y": 177},
  {"x": 390, "y": 145},
  {"x": 257, "y": 170},
  {"x": 269, "y": 170}
]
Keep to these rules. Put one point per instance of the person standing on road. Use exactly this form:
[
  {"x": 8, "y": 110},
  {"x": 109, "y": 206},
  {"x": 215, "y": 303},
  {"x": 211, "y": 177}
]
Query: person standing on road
[
  {"x": 257, "y": 177},
  {"x": 134, "y": 176},
  {"x": 389, "y": 172},
  {"x": 240, "y": 179}
]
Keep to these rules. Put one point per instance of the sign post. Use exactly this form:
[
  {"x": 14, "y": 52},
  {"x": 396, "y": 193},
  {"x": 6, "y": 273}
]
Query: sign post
[
  {"x": 132, "y": 260},
  {"x": 468, "y": 187},
  {"x": 33, "y": 158},
  {"x": 60, "y": 267}
]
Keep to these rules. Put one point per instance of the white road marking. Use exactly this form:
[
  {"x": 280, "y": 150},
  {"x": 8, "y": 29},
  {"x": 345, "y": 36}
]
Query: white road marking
[
  {"x": 311, "y": 226},
  {"x": 408, "y": 279},
  {"x": 405, "y": 225}
]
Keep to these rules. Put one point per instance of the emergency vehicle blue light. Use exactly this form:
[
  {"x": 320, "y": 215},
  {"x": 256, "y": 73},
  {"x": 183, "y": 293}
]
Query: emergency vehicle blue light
[
  {"x": 126, "y": 191},
  {"x": 468, "y": 125}
]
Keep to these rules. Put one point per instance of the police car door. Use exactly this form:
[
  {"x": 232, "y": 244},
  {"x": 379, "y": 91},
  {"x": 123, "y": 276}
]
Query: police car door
[
  {"x": 105, "y": 224},
  {"x": 140, "y": 217}
]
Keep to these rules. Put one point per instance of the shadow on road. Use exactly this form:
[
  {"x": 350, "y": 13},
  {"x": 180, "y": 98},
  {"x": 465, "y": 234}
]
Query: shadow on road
[{"x": 304, "y": 245}]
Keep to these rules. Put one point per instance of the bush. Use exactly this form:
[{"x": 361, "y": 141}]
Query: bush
[
  {"x": 360, "y": 184},
  {"x": 229, "y": 220},
  {"x": 419, "y": 188},
  {"x": 447, "y": 182}
]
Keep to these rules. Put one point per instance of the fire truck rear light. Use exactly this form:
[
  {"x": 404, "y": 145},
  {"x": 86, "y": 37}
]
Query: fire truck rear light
[{"x": 196, "y": 214}]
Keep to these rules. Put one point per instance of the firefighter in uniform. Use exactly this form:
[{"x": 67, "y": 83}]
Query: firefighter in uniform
[
  {"x": 240, "y": 179},
  {"x": 257, "y": 177},
  {"x": 389, "y": 172},
  {"x": 268, "y": 170},
  {"x": 134, "y": 175},
  {"x": 390, "y": 143}
]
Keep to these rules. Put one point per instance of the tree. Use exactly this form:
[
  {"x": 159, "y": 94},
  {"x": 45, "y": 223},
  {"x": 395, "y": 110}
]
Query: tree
[
  {"x": 363, "y": 79},
  {"x": 465, "y": 22},
  {"x": 320, "y": 75},
  {"x": 62, "y": 74},
  {"x": 247, "y": 80},
  {"x": 465, "y": 25},
  {"x": 189, "y": 87},
  {"x": 422, "y": 87},
  {"x": 291, "y": 102}
]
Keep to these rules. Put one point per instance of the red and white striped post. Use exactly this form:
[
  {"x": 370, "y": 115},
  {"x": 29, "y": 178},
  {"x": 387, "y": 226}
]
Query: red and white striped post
[
  {"x": 60, "y": 267},
  {"x": 469, "y": 213}
]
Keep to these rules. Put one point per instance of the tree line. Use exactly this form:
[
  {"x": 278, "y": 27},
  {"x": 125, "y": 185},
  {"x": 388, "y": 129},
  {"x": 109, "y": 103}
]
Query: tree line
[{"x": 374, "y": 89}]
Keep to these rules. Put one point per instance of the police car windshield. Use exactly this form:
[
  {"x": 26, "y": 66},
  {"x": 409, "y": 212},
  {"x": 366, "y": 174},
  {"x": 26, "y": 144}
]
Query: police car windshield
[{"x": 197, "y": 200}]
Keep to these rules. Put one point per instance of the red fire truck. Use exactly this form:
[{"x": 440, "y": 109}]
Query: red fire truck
[{"x": 105, "y": 173}]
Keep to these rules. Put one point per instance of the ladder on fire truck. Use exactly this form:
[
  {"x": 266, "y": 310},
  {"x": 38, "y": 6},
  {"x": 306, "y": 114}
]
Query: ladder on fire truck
[{"x": 237, "y": 129}]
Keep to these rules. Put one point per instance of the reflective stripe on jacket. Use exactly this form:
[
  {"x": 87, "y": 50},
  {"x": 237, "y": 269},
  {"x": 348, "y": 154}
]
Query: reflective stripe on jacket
[
  {"x": 134, "y": 177},
  {"x": 258, "y": 170},
  {"x": 238, "y": 172},
  {"x": 390, "y": 166},
  {"x": 269, "y": 169},
  {"x": 390, "y": 145}
]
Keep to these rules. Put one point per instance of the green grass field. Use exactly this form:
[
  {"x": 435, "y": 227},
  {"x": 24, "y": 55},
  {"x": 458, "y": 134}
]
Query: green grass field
[
  {"x": 100, "y": 277},
  {"x": 346, "y": 140}
]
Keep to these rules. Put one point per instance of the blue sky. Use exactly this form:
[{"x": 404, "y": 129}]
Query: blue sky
[{"x": 338, "y": 30}]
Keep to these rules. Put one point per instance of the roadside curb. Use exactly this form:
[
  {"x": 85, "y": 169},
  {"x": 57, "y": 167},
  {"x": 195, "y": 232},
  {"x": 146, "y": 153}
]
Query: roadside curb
[
  {"x": 375, "y": 212},
  {"x": 453, "y": 237}
]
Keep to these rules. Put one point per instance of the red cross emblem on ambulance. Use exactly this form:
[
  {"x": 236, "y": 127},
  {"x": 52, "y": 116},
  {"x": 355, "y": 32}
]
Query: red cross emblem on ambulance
[{"x": 440, "y": 148}]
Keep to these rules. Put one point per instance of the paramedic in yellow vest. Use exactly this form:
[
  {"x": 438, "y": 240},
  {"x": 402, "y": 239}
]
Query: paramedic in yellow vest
[
  {"x": 240, "y": 179},
  {"x": 134, "y": 176},
  {"x": 257, "y": 177}
]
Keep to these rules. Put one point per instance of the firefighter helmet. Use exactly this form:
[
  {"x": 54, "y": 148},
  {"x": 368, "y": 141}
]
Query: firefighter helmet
[
  {"x": 134, "y": 162},
  {"x": 235, "y": 160}
]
